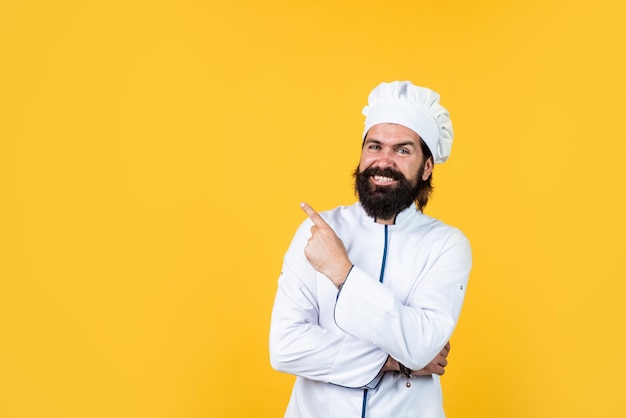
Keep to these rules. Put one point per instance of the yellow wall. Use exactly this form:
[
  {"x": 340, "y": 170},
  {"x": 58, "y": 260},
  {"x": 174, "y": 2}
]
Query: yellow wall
[{"x": 153, "y": 155}]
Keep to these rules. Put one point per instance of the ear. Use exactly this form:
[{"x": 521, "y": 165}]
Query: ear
[{"x": 428, "y": 168}]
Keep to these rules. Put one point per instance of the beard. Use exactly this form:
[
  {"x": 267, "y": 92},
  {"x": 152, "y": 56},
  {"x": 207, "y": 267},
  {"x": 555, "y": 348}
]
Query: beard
[{"x": 385, "y": 202}]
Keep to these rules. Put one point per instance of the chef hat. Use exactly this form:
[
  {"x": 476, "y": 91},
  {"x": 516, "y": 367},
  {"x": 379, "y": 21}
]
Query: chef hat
[{"x": 415, "y": 107}]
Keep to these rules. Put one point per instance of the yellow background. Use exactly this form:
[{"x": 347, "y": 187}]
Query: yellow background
[{"x": 153, "y": 155}]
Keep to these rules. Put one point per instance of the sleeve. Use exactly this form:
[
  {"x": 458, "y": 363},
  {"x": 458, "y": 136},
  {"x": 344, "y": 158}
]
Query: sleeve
[
  {"x": 414, "y": 332},
  {"x": 300, "y": 345}
]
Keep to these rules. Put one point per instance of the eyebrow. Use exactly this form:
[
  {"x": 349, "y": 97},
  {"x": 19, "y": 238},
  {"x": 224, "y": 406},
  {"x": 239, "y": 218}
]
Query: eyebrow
[{"x": 399, "y": 144}]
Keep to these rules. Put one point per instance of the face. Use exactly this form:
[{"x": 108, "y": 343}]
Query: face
[{"x": 391, "y": 170}]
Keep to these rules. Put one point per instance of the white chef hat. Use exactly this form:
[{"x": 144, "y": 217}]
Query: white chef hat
[{"x": 415, "y": 107}]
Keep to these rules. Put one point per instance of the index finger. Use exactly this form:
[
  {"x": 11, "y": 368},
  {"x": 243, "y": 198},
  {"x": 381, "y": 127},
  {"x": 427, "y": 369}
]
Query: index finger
[{"x": 313, "y": 215}]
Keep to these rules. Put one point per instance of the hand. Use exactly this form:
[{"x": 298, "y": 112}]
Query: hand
[
  {"x": 437, "y": 365},
  {"x": 391, "y": 365},
  {"x": 325, "y": 251}
]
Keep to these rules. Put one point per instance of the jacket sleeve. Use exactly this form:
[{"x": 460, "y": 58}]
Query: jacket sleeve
[
  {"x": 299, "y": 344},
  {"x": 415, "y": 331}
]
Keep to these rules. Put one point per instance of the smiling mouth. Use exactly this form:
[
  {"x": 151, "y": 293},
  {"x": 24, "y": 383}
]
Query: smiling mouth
[{"x": 383, "y": 179}]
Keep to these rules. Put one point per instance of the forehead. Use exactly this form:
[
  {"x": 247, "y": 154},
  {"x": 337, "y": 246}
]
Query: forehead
[{"x": 392, "y": 133}]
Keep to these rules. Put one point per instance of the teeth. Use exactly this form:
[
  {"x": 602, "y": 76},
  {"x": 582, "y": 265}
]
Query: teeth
[{"x": 383, "y": 179}]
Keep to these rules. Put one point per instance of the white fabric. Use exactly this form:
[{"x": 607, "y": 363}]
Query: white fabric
[
  {"x": 415, "y": 107},
  {"x": 337, "y": 344}
]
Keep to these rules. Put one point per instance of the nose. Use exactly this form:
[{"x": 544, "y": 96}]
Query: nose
[{"x": 384, "y": 160}]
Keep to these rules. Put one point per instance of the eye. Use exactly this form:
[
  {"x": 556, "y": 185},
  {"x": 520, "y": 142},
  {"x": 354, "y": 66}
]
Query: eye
[
  {"x": 373, "y": 146},
  {"x": 403, "y": 151}
]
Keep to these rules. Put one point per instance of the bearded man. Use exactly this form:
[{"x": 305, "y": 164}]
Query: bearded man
[{"x": 370, "y": 294}]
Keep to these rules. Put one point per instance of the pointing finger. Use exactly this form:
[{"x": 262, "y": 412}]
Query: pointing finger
[{"x": 313, "y": 215}]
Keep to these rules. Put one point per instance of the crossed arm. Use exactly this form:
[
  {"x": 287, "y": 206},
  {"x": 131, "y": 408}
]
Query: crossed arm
[{"x": 326, "y": 254}]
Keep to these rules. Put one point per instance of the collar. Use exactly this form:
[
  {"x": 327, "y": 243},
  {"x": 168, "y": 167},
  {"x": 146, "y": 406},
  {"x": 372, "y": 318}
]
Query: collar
[{"x": 405, "y": 217}]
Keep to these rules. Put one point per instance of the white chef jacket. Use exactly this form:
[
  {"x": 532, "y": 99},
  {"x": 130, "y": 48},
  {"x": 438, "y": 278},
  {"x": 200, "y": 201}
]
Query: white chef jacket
[{"x": 402, "y": 298}]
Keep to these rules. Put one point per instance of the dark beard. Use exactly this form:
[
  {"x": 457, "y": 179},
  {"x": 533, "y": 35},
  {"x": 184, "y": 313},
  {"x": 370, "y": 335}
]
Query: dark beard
[{"x": 385, "y": 202}]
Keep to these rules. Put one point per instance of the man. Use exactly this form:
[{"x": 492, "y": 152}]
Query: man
[{"x": 369, "y": 294}]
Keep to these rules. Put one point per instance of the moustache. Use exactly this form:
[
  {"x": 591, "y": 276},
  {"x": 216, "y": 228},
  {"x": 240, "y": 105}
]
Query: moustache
[{"x": 384, "y": 172}]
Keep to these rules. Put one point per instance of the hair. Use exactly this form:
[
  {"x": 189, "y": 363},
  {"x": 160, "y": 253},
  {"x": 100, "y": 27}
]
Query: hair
[{"x": 426, "y": 187}]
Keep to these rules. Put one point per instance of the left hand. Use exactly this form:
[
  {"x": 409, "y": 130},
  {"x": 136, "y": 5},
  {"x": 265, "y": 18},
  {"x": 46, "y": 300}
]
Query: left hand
[
  {"x": 325, "y": 251},
  {"x": 437, "y": 365}
]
